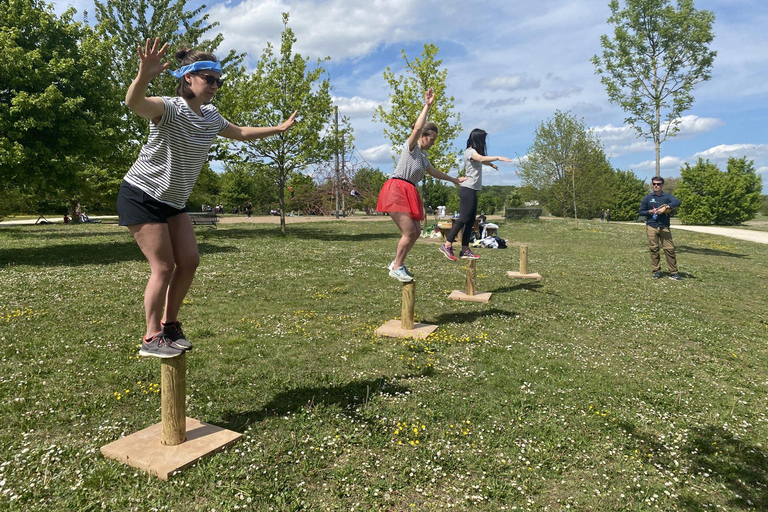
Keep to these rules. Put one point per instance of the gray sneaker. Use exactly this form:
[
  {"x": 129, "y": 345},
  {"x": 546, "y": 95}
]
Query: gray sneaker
[
  {"x": 392, "y": 266},
  {"x": 159, "y": 346},
  {"x": 176, "y": 336},
  {"x": 675, "y": 277},
  {"x": 400, "y": 274},
  {"x": 657, "y": 275}
]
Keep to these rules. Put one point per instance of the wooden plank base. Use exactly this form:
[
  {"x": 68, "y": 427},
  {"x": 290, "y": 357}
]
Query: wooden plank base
[
  {"x": 477, "y": 297},
  {"x": 393, "y": 329},
  {"x": 143, "y": 449},
  {"x": 518, "y": 275}
]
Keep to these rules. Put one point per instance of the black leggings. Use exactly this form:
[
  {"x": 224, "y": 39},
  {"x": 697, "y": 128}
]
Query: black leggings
[{"x": 467, "y": 213}]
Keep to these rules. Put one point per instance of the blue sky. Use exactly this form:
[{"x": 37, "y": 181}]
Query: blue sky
[{"x": 511, "y": 64}]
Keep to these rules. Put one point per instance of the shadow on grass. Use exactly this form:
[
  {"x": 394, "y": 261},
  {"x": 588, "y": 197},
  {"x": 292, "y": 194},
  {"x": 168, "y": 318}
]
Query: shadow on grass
[
  {"x": 302, "y": 233},
  {"x": 73, "y": 255},
  {"x": 709, "y": 252},
  {"x": 739, "y": 466},
  {"x": 347, "y": 397},
  {"x": 467, "y": 317},
  {"x": 532, "y": 286}
]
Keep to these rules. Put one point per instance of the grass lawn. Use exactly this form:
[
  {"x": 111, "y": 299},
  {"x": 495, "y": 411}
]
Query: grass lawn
[{"x": 595, "y": 389}]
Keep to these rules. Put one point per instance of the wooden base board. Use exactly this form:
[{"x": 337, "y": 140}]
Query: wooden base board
[
  {"x": 393, "y": 329},
  {"x": 143, "y": 449},
  {"x": 477, "y": 297},
  {"x": 518, "y": 275}
]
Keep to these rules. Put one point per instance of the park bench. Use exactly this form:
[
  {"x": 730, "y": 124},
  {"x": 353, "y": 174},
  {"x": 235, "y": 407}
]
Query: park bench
[{"x": 204, "y": 219}]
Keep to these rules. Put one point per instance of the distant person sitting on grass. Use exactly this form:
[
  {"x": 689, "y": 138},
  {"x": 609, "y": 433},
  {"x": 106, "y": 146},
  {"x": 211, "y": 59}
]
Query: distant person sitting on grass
[
  {"x": 399, "y": 196},
  {"x": 153, "y": 196}
]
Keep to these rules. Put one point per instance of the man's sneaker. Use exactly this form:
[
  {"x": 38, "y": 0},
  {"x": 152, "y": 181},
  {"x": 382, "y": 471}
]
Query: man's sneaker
[
  {"x": 468, "y": 255},
  {"x": 447, "y": 252},
  {"x": 174, "y": 333},
  {"x": 159, "y": 346},
  {"x": 400, "y": 274},
  {"x": 657, "y": 275},
  {"x": 675, "y": 277},
  {"x": 392, "y": 266}
]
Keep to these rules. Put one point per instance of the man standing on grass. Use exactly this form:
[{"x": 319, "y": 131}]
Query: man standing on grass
[{"x": 656, "y": 207}]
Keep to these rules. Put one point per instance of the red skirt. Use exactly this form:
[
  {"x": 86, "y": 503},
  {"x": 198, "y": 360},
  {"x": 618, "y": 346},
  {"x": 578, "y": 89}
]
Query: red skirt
[{"x": 400, "y": 196}]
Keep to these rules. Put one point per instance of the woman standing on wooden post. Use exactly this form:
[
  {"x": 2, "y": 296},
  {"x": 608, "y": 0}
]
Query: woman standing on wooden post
[
  {"x": 153, "y": 195},
  {"x": 399, "y": 196},
  {"x": 474, "y": 159}
]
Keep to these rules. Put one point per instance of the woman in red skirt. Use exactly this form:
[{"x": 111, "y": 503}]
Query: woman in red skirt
[{"x": 399, "y": 196}]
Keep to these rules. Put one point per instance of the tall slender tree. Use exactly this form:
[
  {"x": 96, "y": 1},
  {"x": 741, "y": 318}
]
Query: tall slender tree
[
  {"x": 280, "y": 85},
  {"x": 658, "y": 53},
  {"x": 407, "y": 99}
]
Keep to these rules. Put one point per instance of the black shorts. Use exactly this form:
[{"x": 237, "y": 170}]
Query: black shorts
[{"x": 134, "y": 206}]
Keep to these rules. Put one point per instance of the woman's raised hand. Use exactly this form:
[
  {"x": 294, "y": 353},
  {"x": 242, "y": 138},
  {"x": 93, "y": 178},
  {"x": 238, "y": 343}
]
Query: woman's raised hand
[
  {"x": 429, "y": 97},
  {"x": 288, "y": 123},
  {"x": 150, "y": 60}
]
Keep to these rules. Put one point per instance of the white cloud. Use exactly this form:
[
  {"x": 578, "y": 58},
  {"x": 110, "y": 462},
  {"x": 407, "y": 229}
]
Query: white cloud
[
  {"x": 669, "y": 165},
  {"x": 341, "y": 29},
  {"x": 691, "y": 125},
  {"x": 507, "y": 83},
  {"x": 356, "y": 107},
  {"x": 563, "y": 93},
  {"x": 378, "y": 156},
  {"x": 726, "y": 151}
]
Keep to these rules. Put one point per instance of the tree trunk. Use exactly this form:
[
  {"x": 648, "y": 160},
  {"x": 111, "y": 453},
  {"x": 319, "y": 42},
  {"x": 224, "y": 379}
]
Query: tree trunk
[{"x": 281, "y": 202}]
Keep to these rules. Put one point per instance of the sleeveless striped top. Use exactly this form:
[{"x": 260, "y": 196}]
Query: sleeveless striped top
[{"x": 170, "y": 162}]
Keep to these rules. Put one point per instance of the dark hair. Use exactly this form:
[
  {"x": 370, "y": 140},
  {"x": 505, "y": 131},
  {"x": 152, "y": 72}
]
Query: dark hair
[
  {"x": 186, "y": 57},
  {"x": 476, "y": 141},
  {"x": 657, "y": 179}
]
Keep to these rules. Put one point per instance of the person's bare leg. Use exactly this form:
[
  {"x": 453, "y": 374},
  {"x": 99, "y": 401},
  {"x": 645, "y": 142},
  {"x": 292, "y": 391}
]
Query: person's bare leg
[
  {"x": 410, "y": 230},
  {"x": 187, "y": 259},
  {"x": 154, "y": 241}
]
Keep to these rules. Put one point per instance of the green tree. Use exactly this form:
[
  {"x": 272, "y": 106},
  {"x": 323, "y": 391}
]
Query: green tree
[
  {"x": 628, "y": 191},
  {"x": 657, "y": 55},
  {"x": 407, "y": 100},
  {"x": 238, "y": 184},
  {"x": 368, "y": 182},
  {"x": 711, "y": 196},
  {"x": 59, "y": 117},
  {"x": 206, "y": 190},
  {"x": 280, "y": 85},
  {"x": 567, "y": 165},
  {"x": 129, "y": 23}
]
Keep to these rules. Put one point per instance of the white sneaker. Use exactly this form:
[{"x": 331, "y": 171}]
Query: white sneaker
[
  {"x": 400, "y": 274},
  {"x": 392, "y": 266}
]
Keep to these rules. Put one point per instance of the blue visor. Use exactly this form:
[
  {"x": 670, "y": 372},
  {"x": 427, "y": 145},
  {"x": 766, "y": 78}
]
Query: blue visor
[{"x": 197, "y": 66}]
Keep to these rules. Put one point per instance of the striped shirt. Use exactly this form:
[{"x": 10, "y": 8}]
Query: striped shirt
[
  {"x": 473, "y": 170},
  {"x": 170, "y": 162},
  {"x": 412, "y": 164}
]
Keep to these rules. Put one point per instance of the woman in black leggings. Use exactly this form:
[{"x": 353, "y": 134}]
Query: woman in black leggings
[{"x": 474, "y": 158}]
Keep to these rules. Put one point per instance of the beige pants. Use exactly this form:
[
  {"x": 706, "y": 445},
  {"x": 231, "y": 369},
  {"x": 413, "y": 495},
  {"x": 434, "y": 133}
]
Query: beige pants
[{"x": 665, "y": 236}]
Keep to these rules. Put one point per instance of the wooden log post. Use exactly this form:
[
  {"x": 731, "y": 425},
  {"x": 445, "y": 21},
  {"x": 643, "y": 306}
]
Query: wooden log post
[
  {"x": 471, "y": 274},
  {"x": 523, "y": 259},
  {"x": 409, "y": 294},
  {"x": 174, "y": 399}
]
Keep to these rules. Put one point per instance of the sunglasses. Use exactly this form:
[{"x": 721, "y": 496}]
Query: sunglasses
[
  {"x": 210, "y": 80},
  {"x": 659, "y": 184}
]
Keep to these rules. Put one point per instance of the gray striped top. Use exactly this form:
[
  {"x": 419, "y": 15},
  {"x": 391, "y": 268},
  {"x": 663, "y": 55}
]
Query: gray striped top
[
  {"x": 178, "y": 145},
  {"x": 412, "y": 164}
]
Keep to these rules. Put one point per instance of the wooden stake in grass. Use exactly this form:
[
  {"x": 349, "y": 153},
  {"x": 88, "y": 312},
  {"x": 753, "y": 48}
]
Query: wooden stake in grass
[
  {"x": 407, "y": 327},
  {"x": 409, "y": 294},
  {"x": 470, "y": 293},
  {"x": 523, "y": 274},
  {"x": 174, "y": 399}
]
